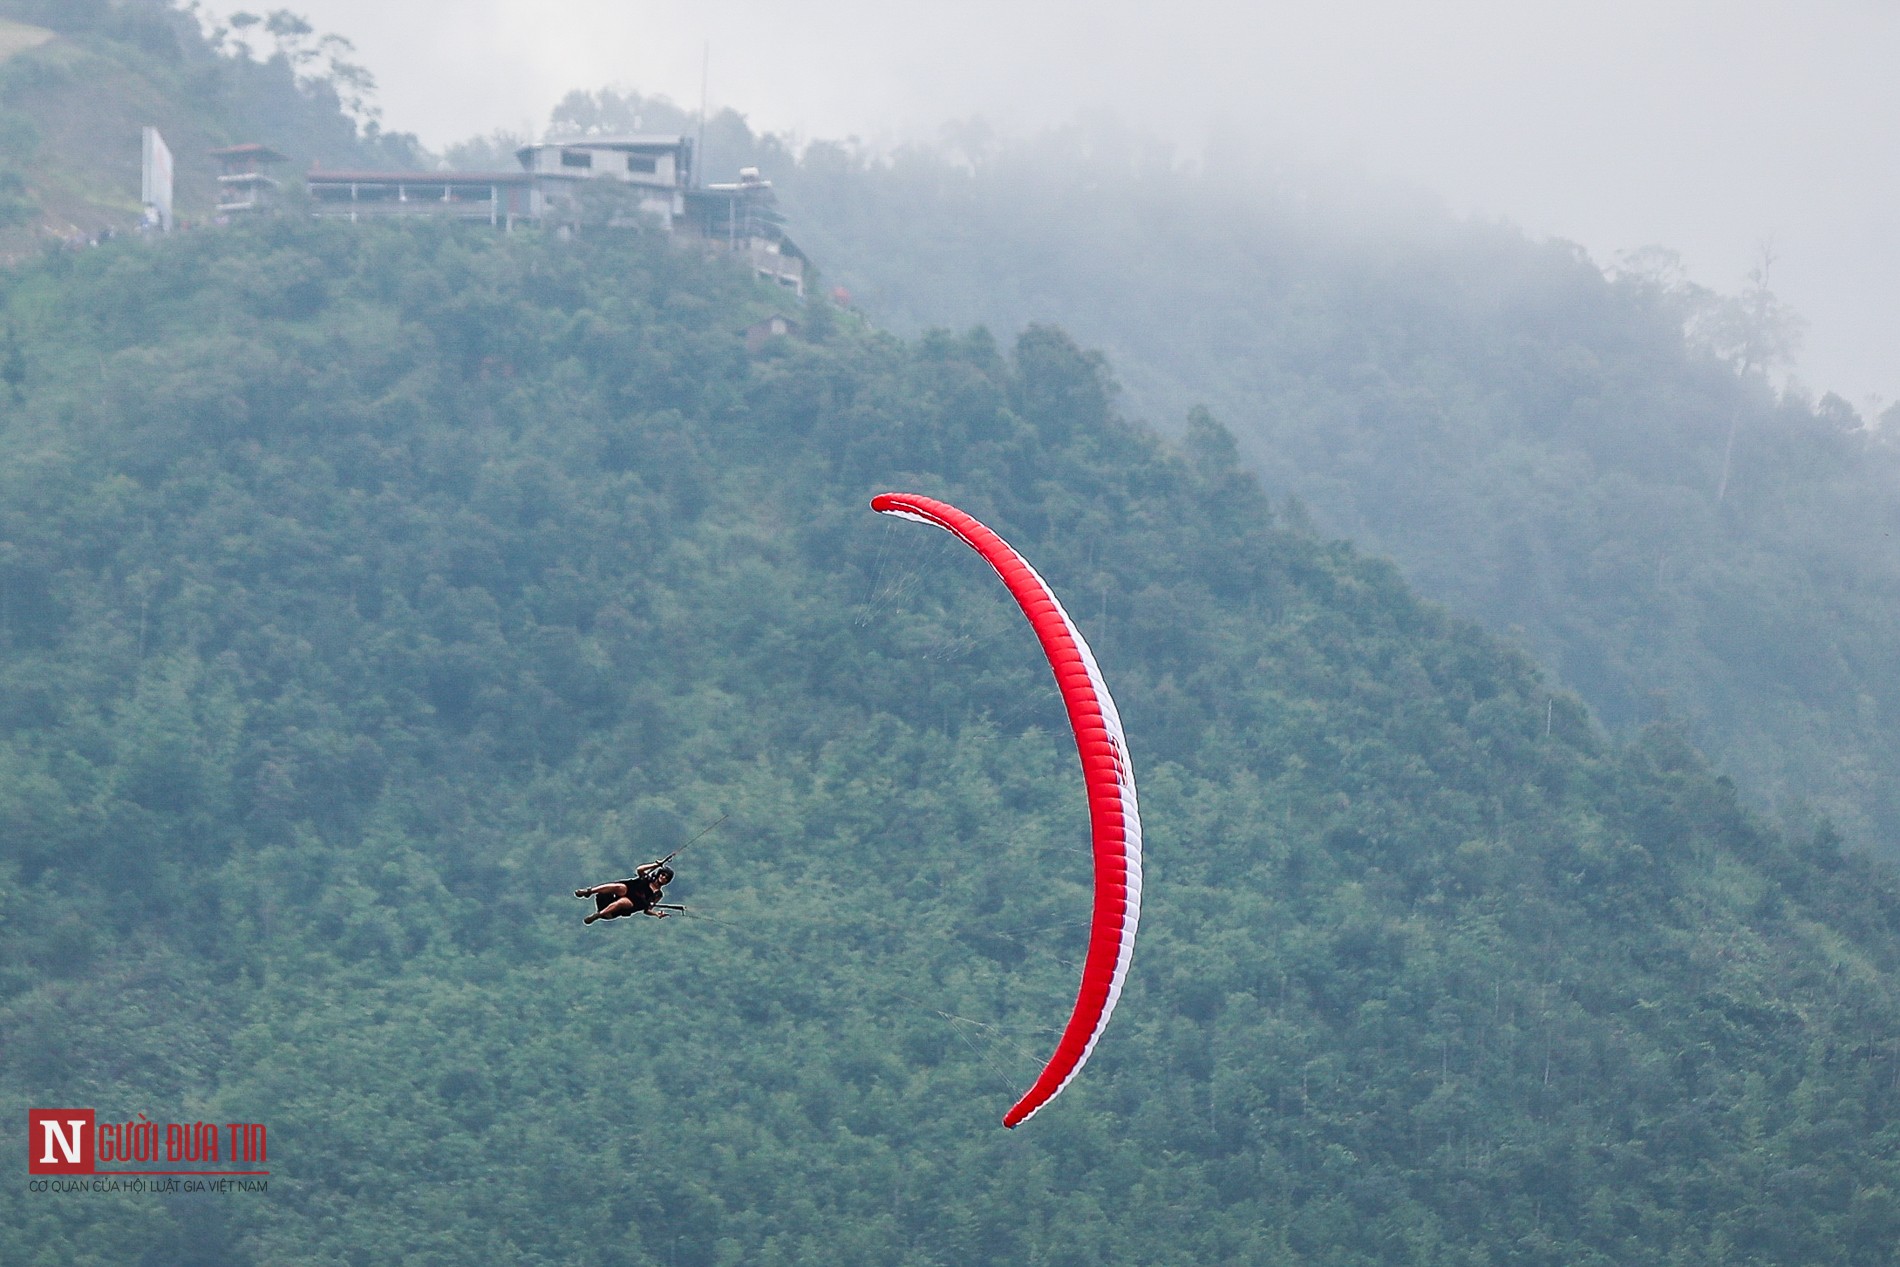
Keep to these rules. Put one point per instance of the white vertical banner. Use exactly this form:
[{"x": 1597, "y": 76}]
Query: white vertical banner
[{"x": 155, "y": 180}]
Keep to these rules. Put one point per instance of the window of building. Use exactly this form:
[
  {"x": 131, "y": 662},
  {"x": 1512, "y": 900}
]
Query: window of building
[{"x": 576, "y": 158}]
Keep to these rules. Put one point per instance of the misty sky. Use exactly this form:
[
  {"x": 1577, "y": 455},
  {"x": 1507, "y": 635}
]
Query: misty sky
[{"x": 1708, "y": 127}]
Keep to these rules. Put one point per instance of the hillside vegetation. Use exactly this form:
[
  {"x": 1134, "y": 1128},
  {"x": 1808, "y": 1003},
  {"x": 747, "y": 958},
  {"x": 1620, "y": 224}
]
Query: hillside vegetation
[
  {"x": 1538, "y": 446},
  {"x": 1594, "y": 466},
  {"x": 365, "y": 590}
]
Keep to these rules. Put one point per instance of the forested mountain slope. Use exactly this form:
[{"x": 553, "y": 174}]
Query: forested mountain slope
[
  {"x": 1543, "y": 448},
  {"x": 365, "y": 590},
  {"x": 1536, "y": 445}
]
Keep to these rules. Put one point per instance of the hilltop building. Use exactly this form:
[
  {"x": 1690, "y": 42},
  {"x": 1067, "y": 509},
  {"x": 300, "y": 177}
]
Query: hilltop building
[
  {"x": 501, "y": 198},
  {"x": 761, "y": 333},
  {"x": 744, "y": 218},
  {"x": 658, "y": 170},
  {"x": 243, "y": 184},
  {"x": 614, "y": 180}
]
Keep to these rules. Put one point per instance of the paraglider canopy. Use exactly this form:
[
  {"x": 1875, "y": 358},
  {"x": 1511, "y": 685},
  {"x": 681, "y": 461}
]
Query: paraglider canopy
[{"x": 1109, "y": 779}]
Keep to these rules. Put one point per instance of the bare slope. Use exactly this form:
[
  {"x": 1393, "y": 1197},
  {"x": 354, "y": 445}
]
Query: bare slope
[{"x": 76, "y": 93}]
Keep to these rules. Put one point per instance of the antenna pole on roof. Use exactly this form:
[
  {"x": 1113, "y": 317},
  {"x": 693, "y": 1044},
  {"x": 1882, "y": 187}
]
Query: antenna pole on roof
[{"x": 699, "y": 146}]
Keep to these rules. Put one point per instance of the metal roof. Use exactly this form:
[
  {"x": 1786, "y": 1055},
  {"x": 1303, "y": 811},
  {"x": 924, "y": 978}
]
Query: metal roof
[
  {"x": 262, "y": 153},
  {"x": 629, "y": 140},
  {"x": 328, "y": 176}
]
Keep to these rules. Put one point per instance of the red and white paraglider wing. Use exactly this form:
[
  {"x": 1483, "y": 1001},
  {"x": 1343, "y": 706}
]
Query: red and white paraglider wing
[{"x": 1114, "y": 813}]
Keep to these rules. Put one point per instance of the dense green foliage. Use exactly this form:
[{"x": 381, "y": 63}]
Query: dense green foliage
[
  {"x": 1537, "y": 445},
  {"x": 1544, "y": 448},
  {"x": 362, "y": 591}
]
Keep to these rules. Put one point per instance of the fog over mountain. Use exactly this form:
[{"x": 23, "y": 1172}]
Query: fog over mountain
[{"x": 1713, "y": 129}]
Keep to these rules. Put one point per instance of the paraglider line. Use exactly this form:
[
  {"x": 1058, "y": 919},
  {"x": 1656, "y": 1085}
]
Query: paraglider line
[
  {"x": 696, "y": 839},
  {"x": 1009, "y": 1088},
  {"x": 996, "y": 1033}
]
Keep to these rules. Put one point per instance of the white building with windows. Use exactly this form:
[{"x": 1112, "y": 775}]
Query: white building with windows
[
  {"x": 660, "y": 168},
  {"x": 652, "y": 181}
]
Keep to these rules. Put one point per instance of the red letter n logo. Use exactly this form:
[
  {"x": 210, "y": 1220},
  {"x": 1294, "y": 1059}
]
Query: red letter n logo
[{"x": 59, "y": 1141}]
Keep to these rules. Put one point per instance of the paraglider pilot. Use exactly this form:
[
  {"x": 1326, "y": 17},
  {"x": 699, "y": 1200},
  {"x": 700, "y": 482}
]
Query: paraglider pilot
[{"x": 639, "y": 894}]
